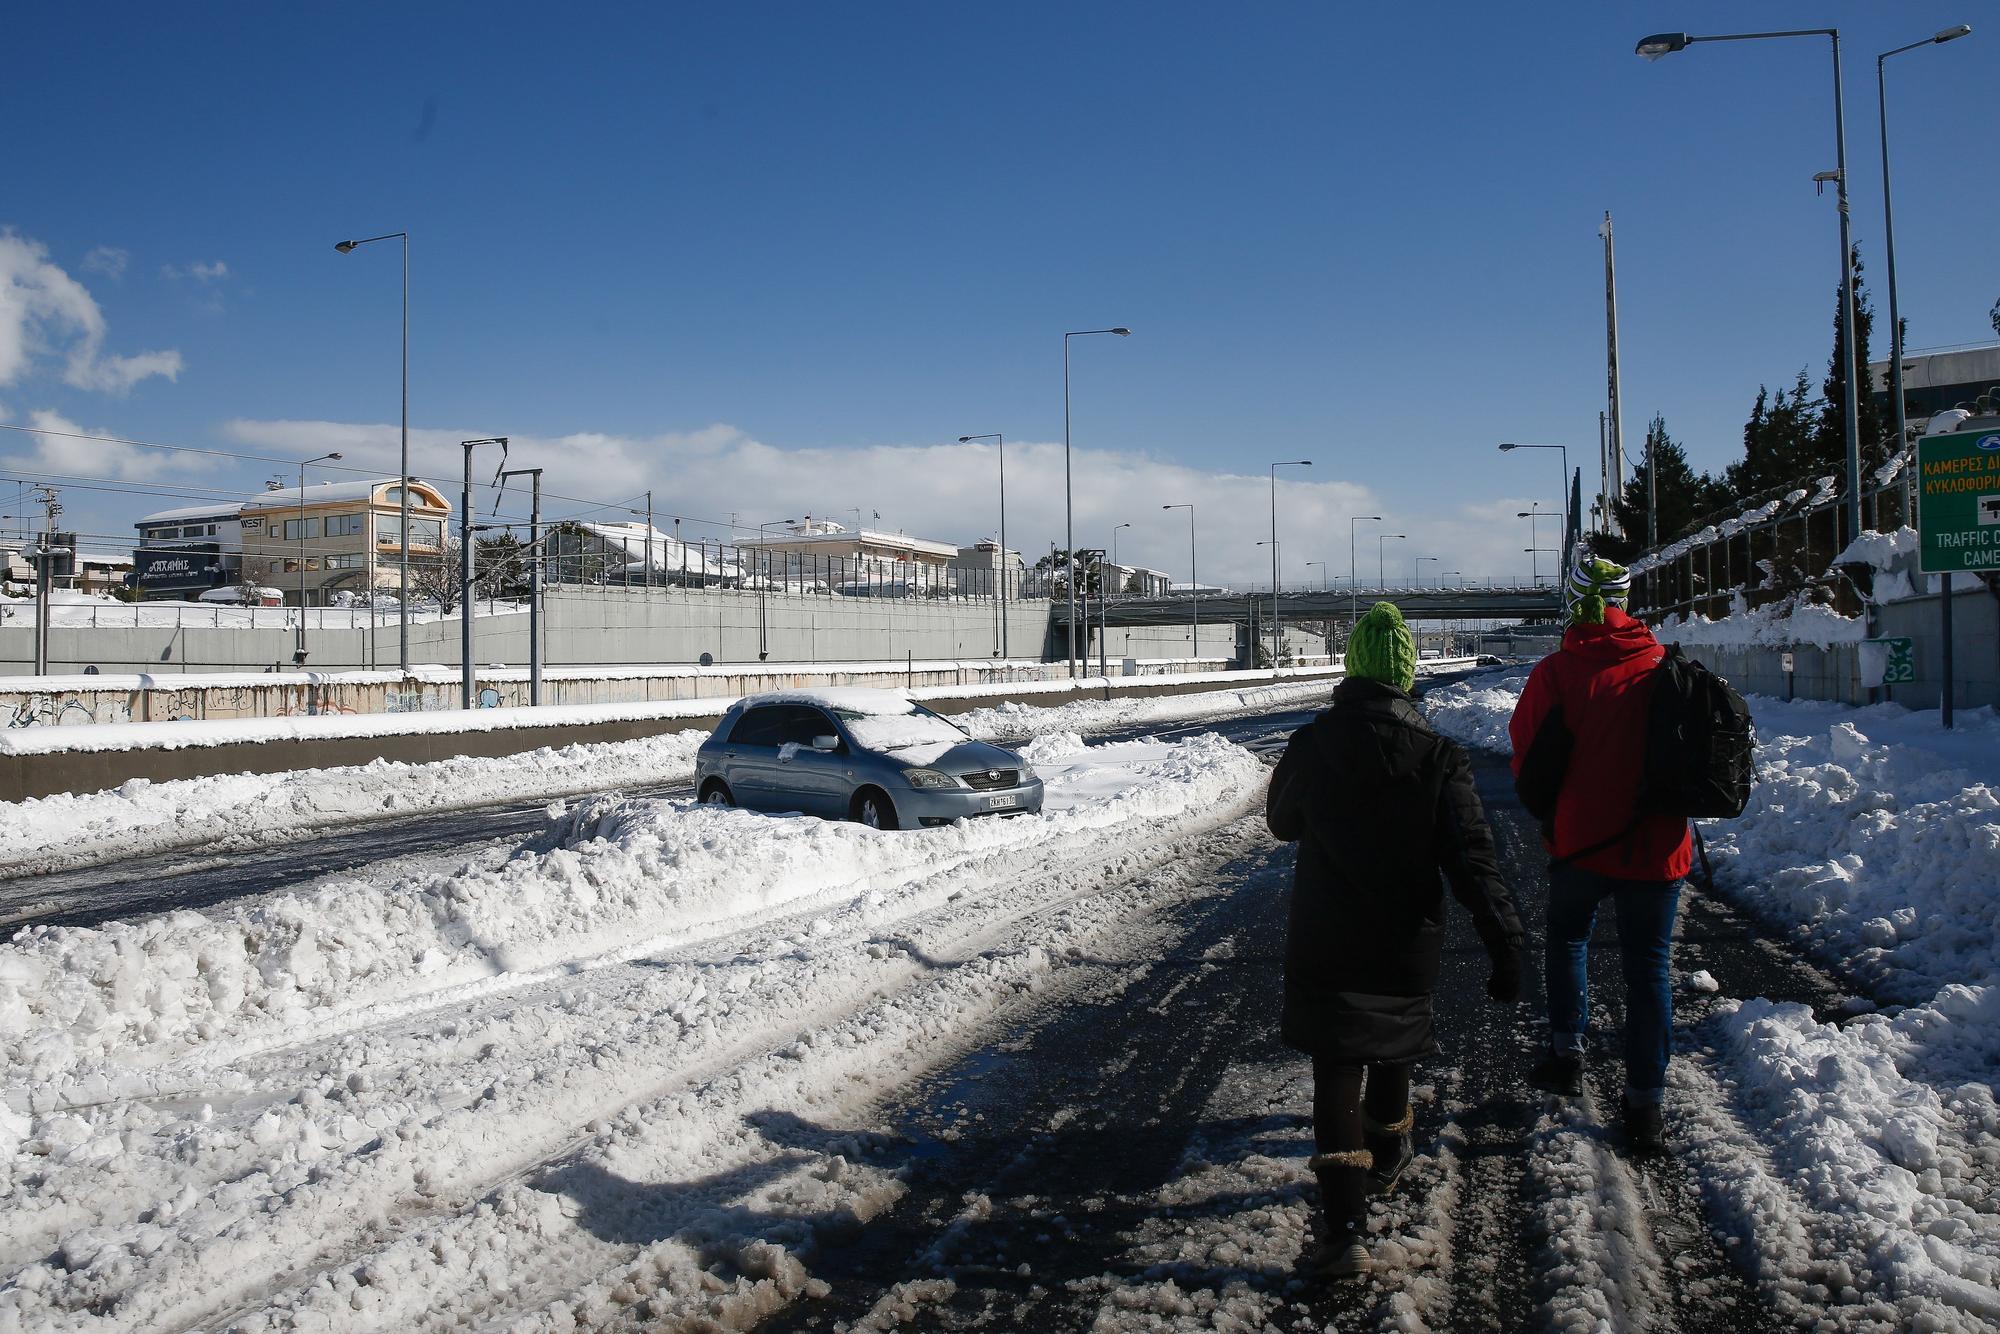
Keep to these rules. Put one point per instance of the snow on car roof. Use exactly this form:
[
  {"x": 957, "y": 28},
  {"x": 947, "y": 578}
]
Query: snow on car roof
[{"x": 850, "y": 699}]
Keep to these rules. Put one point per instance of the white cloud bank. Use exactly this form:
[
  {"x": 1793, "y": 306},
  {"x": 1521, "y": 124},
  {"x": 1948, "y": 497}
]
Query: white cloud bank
[
  {"x": 196, "y": 271},
  {"x": 45, "y": 312},
  {"x": 948, "y": 492}
]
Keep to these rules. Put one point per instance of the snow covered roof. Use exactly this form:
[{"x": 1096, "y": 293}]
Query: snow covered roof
[
  {"x": 333, "y": 493},
  {"x": 866, "y": 537}
]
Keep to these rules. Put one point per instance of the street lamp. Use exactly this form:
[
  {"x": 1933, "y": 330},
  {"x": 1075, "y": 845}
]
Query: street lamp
[
  {"x": 1322, "y": 572},
  {"x": 1896, "y": 327},
  {"x": 764, "y": 561},
  {"x": 1416, "y": 569},
  {"x": 1381, "y": 575},
  {"x": 1562, "y": 503},
  {"x": 1194, "y": 585},
  {"x": 403, "y": 548},
  {"x": 299, "y": 657},
  {"x": 1000, "y": 572},
  {"x": 1533, "y": 515},
  {"x": 1353, "y": 584},
  {"x": 1666, "y": 43},
  {"x": 1287, "y": 463},
  {"x": 465, "y": 559},
  {"x": 1069, "y": 509},
  {"x": 1114, "y": 540},
  {"x": 1275, "y": 645}
]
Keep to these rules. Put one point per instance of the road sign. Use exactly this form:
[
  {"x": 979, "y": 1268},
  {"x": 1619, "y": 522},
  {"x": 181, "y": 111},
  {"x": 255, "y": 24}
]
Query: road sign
[
  {"x": 1958, "y": 514},
  {"x": 1785, "y": 662},
  {"x": 1888, "y": 662}
]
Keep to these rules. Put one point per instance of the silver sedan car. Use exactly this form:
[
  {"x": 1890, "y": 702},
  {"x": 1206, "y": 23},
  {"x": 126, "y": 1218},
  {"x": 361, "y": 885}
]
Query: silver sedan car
[{"x": 870, "y": 755}]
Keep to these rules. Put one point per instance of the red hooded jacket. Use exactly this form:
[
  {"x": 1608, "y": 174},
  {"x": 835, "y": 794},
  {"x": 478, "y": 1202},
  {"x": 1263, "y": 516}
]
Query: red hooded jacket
[{"x": 1601, "y": 681}]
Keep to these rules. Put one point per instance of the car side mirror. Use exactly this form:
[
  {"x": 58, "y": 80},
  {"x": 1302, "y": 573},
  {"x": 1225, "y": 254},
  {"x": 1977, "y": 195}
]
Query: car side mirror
[{"x": 828, "y": 744}]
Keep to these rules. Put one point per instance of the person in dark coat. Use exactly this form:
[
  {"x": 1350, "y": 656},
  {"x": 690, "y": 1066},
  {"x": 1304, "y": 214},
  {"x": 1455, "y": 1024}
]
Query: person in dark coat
[{"x": 1384, "y": 812}]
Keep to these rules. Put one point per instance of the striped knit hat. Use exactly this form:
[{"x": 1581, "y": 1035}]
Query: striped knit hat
[{"x": 1593, "y": 585}]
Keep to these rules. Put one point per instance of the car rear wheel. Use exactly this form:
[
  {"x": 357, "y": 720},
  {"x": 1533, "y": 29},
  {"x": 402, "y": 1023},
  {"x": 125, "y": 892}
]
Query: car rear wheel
[
  {"x": 873, "y": 808},
  {"x": 717, "y": 793}
]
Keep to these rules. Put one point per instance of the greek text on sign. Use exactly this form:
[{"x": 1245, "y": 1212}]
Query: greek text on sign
[{"x": 1958, "y": 506}]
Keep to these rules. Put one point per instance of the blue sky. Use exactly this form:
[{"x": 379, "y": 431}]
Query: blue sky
[{"x": 772, "y": 258}]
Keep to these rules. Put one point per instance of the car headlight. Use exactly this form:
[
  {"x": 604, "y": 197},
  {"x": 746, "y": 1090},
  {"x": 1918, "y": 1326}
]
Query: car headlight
[{"x": 929, "y": 778}]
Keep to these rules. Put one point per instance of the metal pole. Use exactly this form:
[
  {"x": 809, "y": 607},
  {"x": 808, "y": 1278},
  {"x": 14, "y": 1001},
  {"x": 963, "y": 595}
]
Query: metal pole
[
  {"x": 1000, "y": 590},
  {"x": 535, "y": 589},
  {"x": 649, "y": 541},
  {"x": 1069, "y": 520},
  {"x": 302, "y": 565},
  {"x": 464, "y": 584},
  {"x": 1944, "y": 625},
  {"x": 1194, "y": 590},
  {"x": 403, "y": 547},
  {"x": 1275, "y": 642},
  {"x": 1850, "y": 420},
  {"x": 1616, "y": 442}
]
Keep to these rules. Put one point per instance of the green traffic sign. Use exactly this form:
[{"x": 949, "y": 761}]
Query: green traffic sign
[
  {"x": 1958, "y": 512},
  {"x": 1901, "y": 667}
]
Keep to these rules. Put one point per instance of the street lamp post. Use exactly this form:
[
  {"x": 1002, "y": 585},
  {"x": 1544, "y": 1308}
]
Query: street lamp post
[
  {"x": 1416, "y": 569},
  {"x": 1666, "y": 43},
  {"x": 1000, "y": 570},
  {"x": 1381, "y": 569},
  {"x": 1322, "y": 572},
  {"x": 1194, "y": 585},
  {"x": 1353, "y": 584},
  {"x": 1562, "y": 501},
  {"x": 299, "y": 657},
  {"x": 465, "y": 549},
  {"x": 1287, "y": 463},
  {"x": 1896, "y": 339},
  {"x": 1069, "y": 508},
  {"x": 403, "y": 548}
]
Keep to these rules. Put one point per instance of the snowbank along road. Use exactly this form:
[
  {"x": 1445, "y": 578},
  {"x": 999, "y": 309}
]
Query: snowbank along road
[{"x": 649, "y": 1065}]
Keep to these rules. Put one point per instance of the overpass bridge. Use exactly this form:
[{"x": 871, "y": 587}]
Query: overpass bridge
[{"x": 1294, "y": 605}]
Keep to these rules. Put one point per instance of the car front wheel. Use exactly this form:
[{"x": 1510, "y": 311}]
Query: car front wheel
[
  {"x": 717, "y": 793},
  {"x": 873, "y": 808}
]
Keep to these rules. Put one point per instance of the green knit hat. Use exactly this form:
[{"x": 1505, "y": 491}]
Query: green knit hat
[{"x": 1381, "y": 649}]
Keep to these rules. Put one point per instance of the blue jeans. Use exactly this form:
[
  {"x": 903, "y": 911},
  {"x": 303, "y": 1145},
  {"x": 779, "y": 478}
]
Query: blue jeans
[{"x": 1645, "y": 939}]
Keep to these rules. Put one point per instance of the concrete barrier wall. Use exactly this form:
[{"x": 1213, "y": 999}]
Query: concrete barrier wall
[
  {"x": 150, "y": 698},
  {"x": 582, "y": 626},
  {"x": 24, "y": 776}
]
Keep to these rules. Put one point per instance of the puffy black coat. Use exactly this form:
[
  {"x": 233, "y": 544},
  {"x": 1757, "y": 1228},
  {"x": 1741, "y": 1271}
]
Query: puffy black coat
[{"x": 1383, "y": 809}]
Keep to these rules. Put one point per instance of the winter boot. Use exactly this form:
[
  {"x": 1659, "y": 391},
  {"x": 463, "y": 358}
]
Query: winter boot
[
  {"x": 1645, "y": 1127},
  {"x": 1341, "y": 1254},
  {"x": 1559, "y": 1072},
  {"x": 1389, "y": 1150}
]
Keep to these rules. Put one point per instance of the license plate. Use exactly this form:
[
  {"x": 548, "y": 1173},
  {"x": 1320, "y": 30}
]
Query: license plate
[{"x": 1001, "y": 803}]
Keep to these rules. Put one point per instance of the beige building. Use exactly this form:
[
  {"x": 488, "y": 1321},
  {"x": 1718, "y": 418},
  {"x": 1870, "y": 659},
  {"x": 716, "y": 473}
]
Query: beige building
[{"x": 340, "y": 537}]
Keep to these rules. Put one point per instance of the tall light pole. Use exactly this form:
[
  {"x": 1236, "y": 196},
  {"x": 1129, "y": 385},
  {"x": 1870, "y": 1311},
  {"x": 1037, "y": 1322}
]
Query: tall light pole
[
  {"x": 1286, "y": 463},
  {"x": 300, "y": 656},
  {"x": 1322, "y": 572},
  {"x": 403, "y": 547},
  {"x": 1000, "y": 571},
  {"x": 1353, "y": 584},
  {"x": 466, "y": 667},
  {"x": 1562, "y": 496},
  {"x": 1114, "y": 540},
  {"x": 1381, "y": 568},
  {"x": 1416, "y": 569},
  {"x": 1194, "y": 585},
  {"x": 1069, "y": 507},
  {"x": 1896, "y": 329},
  {"x": 1666, "y": 43},
  {"x": 535, "y": 575}
]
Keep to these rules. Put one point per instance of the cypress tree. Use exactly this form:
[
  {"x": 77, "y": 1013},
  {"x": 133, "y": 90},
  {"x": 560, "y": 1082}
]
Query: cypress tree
[
  {"x": 1685, "y": 496},
  {"x": 1829, "y": 445}
]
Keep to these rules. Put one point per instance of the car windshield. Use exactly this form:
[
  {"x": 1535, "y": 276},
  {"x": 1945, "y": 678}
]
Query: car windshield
[{"x": 898, "y": 731}]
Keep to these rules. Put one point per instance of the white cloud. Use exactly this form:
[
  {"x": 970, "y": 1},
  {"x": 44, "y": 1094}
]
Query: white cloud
[
  {"x": 64, "y": 454},
  {"x": 198, "y": 271},
  {"x": 44, "y": 311},
  {"x": 948, "y": 492},
  {"x": 108, "y": 260}
]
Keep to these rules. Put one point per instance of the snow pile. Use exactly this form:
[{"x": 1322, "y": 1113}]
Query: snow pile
[
  {"x": 1474, "y": 712},
  {"x": 1878, "y": 833},
  {"x": 1098, "y": 715},
  {"x": 1790, "y": 620},
  {"x": 85, "y": 1011},
  {"x": 1876, "y": 1171}
]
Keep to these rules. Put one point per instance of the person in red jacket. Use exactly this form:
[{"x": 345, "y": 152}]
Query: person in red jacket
[{"x": 1600, "y": 685}]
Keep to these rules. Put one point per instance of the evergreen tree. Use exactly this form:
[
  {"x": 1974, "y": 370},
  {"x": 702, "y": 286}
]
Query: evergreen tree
[
  {"x": 1685, "y": 496},
  {"x": 1829, "y": 445},
  {"x": 1777, "y": 441}
]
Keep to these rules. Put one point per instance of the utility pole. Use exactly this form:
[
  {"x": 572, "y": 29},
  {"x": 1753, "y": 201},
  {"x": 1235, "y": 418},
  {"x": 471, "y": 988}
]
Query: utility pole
[
  {"x": 467, "y": 668},
  {"x": 46, "y": 497},
  {"x": 649, "y": 537},
  {"x": 1616, "y": 441}
]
